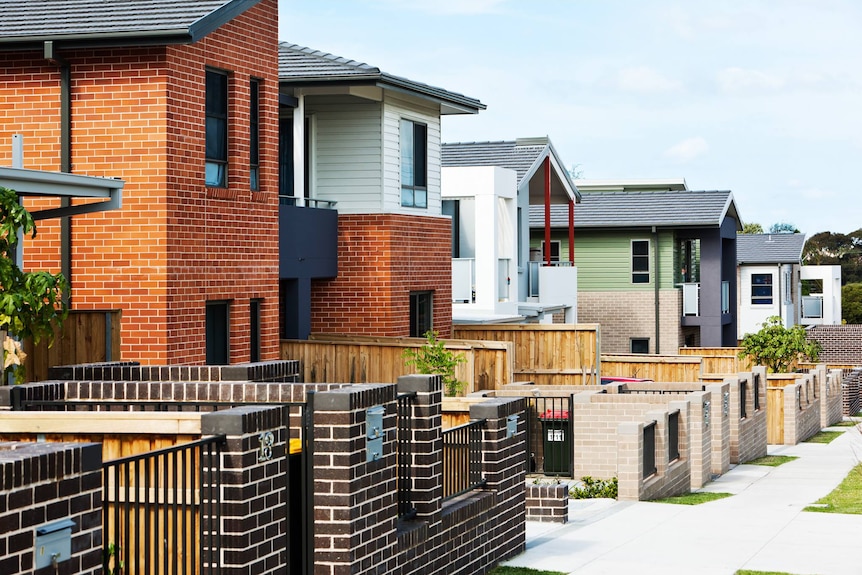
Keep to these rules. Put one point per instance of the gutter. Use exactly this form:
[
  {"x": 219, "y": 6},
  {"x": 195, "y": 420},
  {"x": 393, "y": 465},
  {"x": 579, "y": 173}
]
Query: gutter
[{"x": 65, "y": 160}]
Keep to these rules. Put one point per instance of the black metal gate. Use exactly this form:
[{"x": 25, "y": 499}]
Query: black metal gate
[{"x": 549, "y": 436}]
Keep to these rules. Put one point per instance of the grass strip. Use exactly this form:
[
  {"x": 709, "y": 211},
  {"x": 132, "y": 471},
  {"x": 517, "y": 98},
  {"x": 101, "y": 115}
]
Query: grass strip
[
  {"x": 824, "y": 437},
  {"x": 845, "y": 424},
  {"x": 506, "y": 570},
  {"x": 772, "y": 460},
  {"x": 846, "y": 498},
  {"x": 695, "y": 498},
  {"x": 749, "y": 572}
]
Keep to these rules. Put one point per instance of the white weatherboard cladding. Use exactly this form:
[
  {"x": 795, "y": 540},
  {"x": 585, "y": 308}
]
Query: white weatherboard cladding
[
  {"x": 395, "y": 108},
  {"x": 347, "y": 155}
]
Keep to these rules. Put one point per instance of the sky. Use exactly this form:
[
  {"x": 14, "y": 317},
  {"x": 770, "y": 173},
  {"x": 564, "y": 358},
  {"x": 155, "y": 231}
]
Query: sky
[{"x": 760, "y": 97}]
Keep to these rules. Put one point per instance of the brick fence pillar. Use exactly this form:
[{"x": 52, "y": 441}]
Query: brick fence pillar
[
  {"x": 427, "y": 444},
  {"x": 505, "y": 467},
  {"x": 254, "y": 482},
  {"x": 630, "y": 457},
  {"x": 355, "y": 483},
  {"x": 43, "y": 484},
  {"x": 719, "y": 422}
]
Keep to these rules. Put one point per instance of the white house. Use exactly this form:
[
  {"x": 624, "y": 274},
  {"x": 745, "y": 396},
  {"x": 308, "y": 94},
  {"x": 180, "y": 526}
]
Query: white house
[
  {"x": 487, "y": 189},
  {"x": 773, "y": 282}
]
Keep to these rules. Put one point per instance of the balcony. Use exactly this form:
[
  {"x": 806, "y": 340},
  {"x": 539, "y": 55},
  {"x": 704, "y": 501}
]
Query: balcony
[
  {"x": 533, "y": 275},
  {"x": 812, "y": 307},
  {"x": 691, "y": 299},
  {"x": 307, "y": 238}
]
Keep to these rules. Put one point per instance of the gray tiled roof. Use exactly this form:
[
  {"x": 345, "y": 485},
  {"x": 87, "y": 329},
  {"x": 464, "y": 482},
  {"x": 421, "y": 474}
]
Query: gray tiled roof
[
  {"x": 82, "y": 22},
  {"x": 506, "y": 154},
  {"x": 769, "y": 248},
  {"x": 639, "y": 209},
  {"x": 303, "y": 66}
]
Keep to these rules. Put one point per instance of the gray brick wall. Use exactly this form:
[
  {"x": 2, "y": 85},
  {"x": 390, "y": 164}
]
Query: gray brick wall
[{"x": 631, "y": 314}]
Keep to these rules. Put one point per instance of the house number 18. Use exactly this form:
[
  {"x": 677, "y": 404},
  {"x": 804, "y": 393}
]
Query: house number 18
[{"x": 266, "y": 441}]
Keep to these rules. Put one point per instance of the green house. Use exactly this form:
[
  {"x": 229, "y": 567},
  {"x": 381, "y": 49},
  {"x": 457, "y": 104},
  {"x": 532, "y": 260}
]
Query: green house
[{"x": 656, "y": 263}]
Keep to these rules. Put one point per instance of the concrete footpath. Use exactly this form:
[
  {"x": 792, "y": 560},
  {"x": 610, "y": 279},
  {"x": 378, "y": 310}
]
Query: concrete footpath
[{"x": 762, "y": 527}]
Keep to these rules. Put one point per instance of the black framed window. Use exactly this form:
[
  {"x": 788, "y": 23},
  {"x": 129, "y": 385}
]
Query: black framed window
[
  {"x": 216, "y": 128},
  {"x": 640, "y": 345},
  {"x": 421, "y": 313},
  {"x": 414, "y": 164},
  {"x": 254, "y": 329},
  {"x": 640, "y": 261},
  {"x": 254, "y": 134},
  {"x": 761, "y": 289},
  {"x": 555, "y": 251},
  {"x": 218, "y": 332}
]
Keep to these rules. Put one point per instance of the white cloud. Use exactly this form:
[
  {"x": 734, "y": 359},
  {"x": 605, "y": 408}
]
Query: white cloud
[
  {"x": 739, "y": 80},
  {"x": 687, "y": 150},
  {"x": 645, "y": 79}
]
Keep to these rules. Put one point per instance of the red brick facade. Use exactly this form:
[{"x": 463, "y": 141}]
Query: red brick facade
[
  {"x": 382, "y": 258},
  {"x": 138, "y": 114}
]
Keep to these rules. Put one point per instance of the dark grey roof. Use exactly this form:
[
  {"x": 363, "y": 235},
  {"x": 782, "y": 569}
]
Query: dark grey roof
[
  {"x": 769, "y": 248},
  {"x": 302, "y": 66},
  {"x": 73, "y": 23},
  {"x": 506, "y": 154},
  {"x": 667, "y": 209}
]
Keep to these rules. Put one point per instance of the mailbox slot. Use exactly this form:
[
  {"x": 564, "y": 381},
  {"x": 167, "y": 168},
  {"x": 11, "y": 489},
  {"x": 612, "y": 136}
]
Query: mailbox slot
[
  {"x": 53, "y": 543},
  {"x": 374, "y": 432}
]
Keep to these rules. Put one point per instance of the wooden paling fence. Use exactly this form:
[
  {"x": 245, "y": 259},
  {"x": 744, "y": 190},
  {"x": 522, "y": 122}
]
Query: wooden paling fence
[
  {"x": 332, "y": 358},
  {"x": 665, "y": 368},
  {"x": 86, "y": 336},
  {"x": 546, "y": 354}
]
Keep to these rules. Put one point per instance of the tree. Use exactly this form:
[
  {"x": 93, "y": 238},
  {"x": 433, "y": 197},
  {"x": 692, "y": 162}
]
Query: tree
[
  {"x": 845, "y": 250},
  {"x": 31, "y": 304},
  {"x": 434, "y": 358},
  {"x": 851, "y": 303},
  {"x": 783, "y": 228},
  {"x": 752, "y": 228},
  {"x": 777, "y": 347}
]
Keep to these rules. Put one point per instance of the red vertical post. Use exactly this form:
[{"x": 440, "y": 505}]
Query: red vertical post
[
  {"x": 548, "y": 211},
  {"x": 572, "y": 232}
]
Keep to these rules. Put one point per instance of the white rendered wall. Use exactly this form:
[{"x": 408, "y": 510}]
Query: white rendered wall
[
  {"x": 751, "y": 317},
  {"x": 559, "y": 285},
  {"x": 831, "y": 278}
]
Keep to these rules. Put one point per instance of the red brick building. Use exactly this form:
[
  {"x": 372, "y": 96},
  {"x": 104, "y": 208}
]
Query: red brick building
[{"x": 180, "y": 100}]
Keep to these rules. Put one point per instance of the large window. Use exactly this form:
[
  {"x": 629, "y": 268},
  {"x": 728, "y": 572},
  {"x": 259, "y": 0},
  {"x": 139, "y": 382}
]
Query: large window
[
  {"x": 414, "y": 164},
  {"x": 421, "y": 313},
  {"x": 254, "y": 134},
  {"x": 216, "y": 116},
  {"x": 761, "y": 289},
  {"x": 640, "y": 261}
]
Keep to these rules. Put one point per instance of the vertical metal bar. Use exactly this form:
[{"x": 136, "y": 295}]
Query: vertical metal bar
[
  {"x": 196, "y": 518},
  {"x": 308, "y": 486},
  {"x": 173, "y": 507},
  {"x": 127, "y": 535},
  {"x": 148, "y": 536},
  {"x": 165, "y": 513}
]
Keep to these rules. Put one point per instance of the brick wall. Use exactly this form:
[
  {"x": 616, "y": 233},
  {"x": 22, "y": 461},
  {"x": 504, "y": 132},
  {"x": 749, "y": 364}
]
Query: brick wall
[
  {"x": 548, "y": 503},
  {"x": 631, "y": 314},
  {"x": 850, "y": 384},
  {"x": 829, "y": 386},
  {"x": 43, "y": 483},
  {"x": 842, "y": 344},
  {"x": 801, "y": 412},
  {"x": 719, "y": 422},
  {"x": 138, "y": 114},
  {"x": 747, "y": 434},
  {"x": 382, "y": 258},
  {"x": 599, "y": 419}
]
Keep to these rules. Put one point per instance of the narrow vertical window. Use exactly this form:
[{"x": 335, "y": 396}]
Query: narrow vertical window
[
  {"x": 254, "y": 134},
  {"x": 414, "y": 164},
  {"x": 254, "y": 329},
  {"x": 216, "y": 129},
  {"x": 218, "y": 332},
  {"x": 640, "y": 261},
  {"x": 421, "y": 313}
]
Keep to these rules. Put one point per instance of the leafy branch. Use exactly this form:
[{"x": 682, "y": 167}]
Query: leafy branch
[{"x": 434, "y": 358}]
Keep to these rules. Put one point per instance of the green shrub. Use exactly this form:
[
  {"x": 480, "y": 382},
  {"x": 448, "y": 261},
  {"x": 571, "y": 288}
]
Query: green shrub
[
  {"x": 595, "y": 488},
  {"x": 434, "y": 358}
]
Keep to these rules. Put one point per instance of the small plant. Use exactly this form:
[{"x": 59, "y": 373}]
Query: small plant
[
  {"x": 434, "y": 358},
  {"x": 694, "y": 498},
  {"x": 112, "y": 553},
  {"x": 595, "y": 488}
]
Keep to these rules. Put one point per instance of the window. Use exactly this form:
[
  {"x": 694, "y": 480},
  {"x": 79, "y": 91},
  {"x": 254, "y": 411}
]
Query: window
[
  {"x": 555, "y": 251},
  {"x": 216, "y": 117},
  {"x": 218, "y": 332},
  {"x": 640, "y": 345},
  {"x": 761, "y": 289},
  {"x": 421, "y": 313},
  {"x": 254, "y": 329},
  {"x": 414, "y": 164},
  {"x": 689, "y": 261},
  {"x": 254, "y": 134},
  {"x": 453, "y": 208},
  {"x": 640, "y": 261}
]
